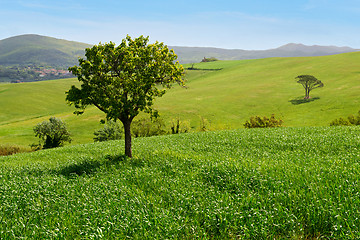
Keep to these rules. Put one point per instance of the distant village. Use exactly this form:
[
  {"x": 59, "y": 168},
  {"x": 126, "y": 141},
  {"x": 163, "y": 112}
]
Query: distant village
[
  {"x": 53, "y": 72},
  {"x": 19, "y": 74}
]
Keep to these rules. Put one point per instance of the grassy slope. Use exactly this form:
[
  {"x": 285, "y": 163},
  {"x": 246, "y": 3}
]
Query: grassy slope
[
  {"x": 262, "y": 87},
  {"x": 285, "y": 183},
  {"x": 226, "y": 98}
]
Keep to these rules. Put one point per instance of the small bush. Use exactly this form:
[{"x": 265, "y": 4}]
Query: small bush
[
  {"x": 178, "y": 126},
  {"x": 52, "y": 133},
  {"x": 111, "y": 131},
  {"x": 264, "y": 122},
  {"x": 145, "y": 127},
  {"x": 204, "y": 125},
  {"x": 350, "y": 120},
  {"x": 340, "y": 122}
]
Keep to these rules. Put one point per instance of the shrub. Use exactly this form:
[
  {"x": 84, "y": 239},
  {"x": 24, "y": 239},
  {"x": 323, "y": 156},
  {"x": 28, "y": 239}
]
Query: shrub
[
  {"x": 111, "y": 131},
  {"x": 178, "y": 126},
  {"x": 264, "y": 122},
  {"x": 351, "y": 120},
  {"x": 204, "y": 125},
  {"x": 340, "y": 122},
  {"x": 52, "y": 133},
  {"x": 145, "y": 127}
]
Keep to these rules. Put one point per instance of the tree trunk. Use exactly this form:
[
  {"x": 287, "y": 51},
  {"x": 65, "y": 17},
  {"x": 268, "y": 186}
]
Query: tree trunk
[
  {"x": 307, "y": 93},
  {"x": 127, "y": 129}
]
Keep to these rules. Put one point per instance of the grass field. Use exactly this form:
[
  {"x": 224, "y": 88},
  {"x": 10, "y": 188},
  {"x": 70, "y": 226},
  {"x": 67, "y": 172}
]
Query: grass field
[
  {"x": 284, "y": 183},
  {"x": 225, "y": 93}
]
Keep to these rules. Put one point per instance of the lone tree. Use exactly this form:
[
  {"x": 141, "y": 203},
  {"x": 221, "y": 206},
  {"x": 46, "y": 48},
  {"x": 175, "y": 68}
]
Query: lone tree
[
  {"x": 124, "y": 80},
  {"x": 309, "y": 83},
  {"x": 52, "y": 133}
]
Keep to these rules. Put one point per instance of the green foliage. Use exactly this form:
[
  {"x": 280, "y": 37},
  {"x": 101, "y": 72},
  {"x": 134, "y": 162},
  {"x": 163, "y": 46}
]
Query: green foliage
[
  {"x": 178, "y": 126},
  {"x": 309, "y": 83},
  {"x": 340, "y": 122},
  {"x": 111, "y": 131},
  {"x": 264, "y": 122},
  {"x": 52, "y": 133},
  {"x": 145, "y": 127},
  {"x": 279, "y": 183},
  {"x": 204, "y": 124},
  {"x": 124, "y": 80},
  {"x": 350, "y": 120}
]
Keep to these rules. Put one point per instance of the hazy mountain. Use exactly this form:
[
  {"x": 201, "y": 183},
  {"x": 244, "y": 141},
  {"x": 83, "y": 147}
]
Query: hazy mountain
[
  {"x": 41, "y": 50},
  {"x": 196, "y": 54}
]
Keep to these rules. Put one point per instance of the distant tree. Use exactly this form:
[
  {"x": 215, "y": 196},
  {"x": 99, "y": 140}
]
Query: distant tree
[
  {"x": 52, "y": 133},
  {"x": 124, "y": 80},
  {"x": 309, "y": 83}
]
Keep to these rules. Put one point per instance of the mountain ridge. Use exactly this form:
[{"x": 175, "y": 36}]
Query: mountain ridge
[
  {"x": 42, "y": 50},
  {"x": 195, "y": 54}
]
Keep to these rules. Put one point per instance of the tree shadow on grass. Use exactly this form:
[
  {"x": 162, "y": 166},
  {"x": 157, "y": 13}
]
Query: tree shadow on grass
[
  {"x": 90, "y": 166},
  {"x": 203, "y": 69},
  {"x": 298, "y": 101}
]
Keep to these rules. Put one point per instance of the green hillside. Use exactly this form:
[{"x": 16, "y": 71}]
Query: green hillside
[
  {"x": 40, "y": 50},
  {"x": 225, "y": 93}
]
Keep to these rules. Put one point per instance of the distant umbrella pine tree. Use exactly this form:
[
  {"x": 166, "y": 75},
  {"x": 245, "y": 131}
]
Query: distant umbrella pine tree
[{"x": 309, "y": 83}]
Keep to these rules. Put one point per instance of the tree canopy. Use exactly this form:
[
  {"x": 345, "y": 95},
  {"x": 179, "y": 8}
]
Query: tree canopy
[
  {"x": 124, "y": 80},
  {"x": 309, "y": 83}
]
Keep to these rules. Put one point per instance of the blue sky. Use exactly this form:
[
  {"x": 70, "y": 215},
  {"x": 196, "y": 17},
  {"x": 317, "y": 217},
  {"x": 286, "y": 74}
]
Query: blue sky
[{"x": 238, "y": 24}]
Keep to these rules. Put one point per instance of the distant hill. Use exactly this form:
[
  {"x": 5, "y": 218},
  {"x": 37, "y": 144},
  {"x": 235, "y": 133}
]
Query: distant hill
[
  {"x": 48, "y": 51},
  {"x": 196, "y": 54},
  {"x": 40, "y": 50}
]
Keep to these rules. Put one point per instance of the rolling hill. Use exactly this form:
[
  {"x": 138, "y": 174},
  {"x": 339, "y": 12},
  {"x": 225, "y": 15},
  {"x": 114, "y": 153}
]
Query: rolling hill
[
  {"x": 225, "y": 93},
  {"x": 40, "y": 50}
]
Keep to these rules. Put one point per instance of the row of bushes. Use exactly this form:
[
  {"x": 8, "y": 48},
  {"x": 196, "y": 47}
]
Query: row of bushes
[
  {"x": 53, "y": 133},
  {"x": 144, "y": 127}
]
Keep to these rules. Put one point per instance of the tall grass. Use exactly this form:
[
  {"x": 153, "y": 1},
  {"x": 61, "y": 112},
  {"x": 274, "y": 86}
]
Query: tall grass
[
  {"x": 7, "y": 149},
  {"x": 297, "y": 183}
]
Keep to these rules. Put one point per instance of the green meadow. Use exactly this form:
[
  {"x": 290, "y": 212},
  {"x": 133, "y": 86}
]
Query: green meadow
[
  {"x": 280, "y": 183},
  {"x": 224, "y": 93}
]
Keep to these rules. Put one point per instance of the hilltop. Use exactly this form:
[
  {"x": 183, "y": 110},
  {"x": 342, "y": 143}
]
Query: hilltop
[{"x": 34, "y": 49}]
